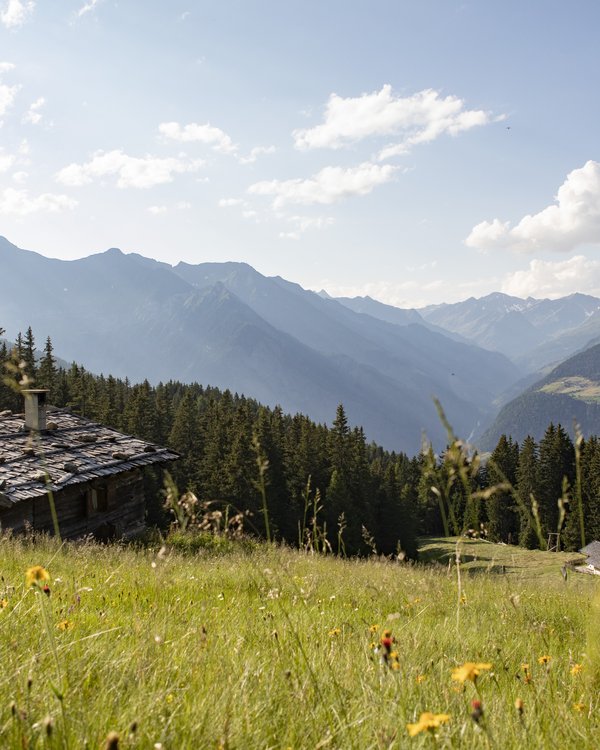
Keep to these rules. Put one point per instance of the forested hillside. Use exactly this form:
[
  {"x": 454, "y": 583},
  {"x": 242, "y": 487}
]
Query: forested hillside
[
  {"x": 359, "y": 496},
  {"x": 569, "y": 394}
]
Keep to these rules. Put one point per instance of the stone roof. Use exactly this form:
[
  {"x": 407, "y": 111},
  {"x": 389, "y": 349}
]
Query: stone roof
[
  {"x": 592, "y": 552},
  {"x": 72, "y": 450}
]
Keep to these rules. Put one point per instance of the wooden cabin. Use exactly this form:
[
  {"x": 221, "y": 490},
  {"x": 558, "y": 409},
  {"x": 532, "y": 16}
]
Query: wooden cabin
[
  {"x": 93, "y": 473},
  {"x": 592, "y": 553}
]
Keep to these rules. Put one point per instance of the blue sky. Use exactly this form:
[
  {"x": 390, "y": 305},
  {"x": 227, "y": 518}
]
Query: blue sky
[{"x": 419, "y": 152}]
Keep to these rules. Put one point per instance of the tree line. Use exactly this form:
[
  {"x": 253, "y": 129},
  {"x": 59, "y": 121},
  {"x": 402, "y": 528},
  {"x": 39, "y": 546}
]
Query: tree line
[{"x": 326, "y": 481}]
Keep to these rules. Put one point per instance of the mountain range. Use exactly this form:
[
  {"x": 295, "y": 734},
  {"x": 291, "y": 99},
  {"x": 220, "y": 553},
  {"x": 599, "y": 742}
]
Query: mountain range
[{"x": 226, "y": 325}]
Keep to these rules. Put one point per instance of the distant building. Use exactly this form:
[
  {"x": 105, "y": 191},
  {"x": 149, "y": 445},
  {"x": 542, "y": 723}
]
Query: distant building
[
  {"x": 592, "y": 552},
  {"x": 93, "y": 473}
]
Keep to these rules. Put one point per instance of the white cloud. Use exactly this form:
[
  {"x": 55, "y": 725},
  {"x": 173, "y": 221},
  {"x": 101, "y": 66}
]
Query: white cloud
[
  {"x": 87, "y": 8},
  {"x": 419, "y": 118},
  {"x": 573, "y": 220},
  {"x": 304, "y": 223},
  {"x": 555, "y": 278},
  {"x": 328, "y": 186},
  {"x": 229, "y": 202},
  {"x": 255, "y": 153},
  {"x": 156, "y": 210},
  {"x": 33, "y": 114},
  {"x": 20, "y": 177},
  {"x": 131, "y": 171},
  {"x": 14, "y": 13},
  {"x": 7, "y": 93},
  {"x": 19, "y": 203},
  {"x": 6, "y": 161},
  {"x": 195, "y": 133}
]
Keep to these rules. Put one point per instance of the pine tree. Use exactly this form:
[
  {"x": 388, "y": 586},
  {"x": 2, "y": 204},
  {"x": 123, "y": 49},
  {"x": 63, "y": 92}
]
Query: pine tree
[
  {"x": 557, "y": 460},
  {"x": 29, "y": 355},
  {"x": 47, "y": 371},
  {"x": 527, "y": 486},
  {"x": 502, "y": 512}
]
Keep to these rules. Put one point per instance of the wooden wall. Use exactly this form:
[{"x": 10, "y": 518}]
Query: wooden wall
[{"x": 109, "y": 508}]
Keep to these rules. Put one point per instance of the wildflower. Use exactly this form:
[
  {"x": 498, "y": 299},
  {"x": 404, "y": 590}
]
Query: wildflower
[
  {"x": 519, "y": 705},
  {"x": 35, "y": 575},
  {"x": 395, "y": 665},
  {"x": 576, "y": 669},
  {"x": 335, "y": 631},
  {"x": 421, "y": 678},
  {"x": 373, "y": 628},
  {"x": 463, "y": 599},
  {"x": 427, "y": 721},
  {"x": 579, "y": 707},
  {"x": 3, "y": 603},
  {"x": 545, "y": 659},
  {"x": 387, "y": 641},
  {"x": 477, "y": 712},
  {"x": 64, "y": 625},
  {"x": 469, "y": 671}
]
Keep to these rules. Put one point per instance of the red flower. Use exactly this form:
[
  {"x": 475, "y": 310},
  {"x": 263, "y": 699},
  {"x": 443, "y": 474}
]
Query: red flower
[{"x": 477, "y": 712}]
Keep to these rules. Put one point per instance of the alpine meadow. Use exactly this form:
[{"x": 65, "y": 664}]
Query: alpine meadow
[{"x": 299, "y": 375}]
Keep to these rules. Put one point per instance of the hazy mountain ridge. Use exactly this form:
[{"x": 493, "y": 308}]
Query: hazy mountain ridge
[
  {"x": 533, "y": 333},
  {"x": 226, "y": 325},
  {"x": 569, "y": 393}
]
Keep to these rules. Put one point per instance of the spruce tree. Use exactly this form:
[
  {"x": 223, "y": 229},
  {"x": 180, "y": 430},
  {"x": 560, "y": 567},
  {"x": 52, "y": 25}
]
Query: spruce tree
[{"x": 502, "y": 512}]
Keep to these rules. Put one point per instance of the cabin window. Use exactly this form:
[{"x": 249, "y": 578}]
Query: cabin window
[{"x": 97, "y": 499}]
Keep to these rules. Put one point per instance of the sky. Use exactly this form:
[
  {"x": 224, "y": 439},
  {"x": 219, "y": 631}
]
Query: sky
[{"x": 417, "y": 151}]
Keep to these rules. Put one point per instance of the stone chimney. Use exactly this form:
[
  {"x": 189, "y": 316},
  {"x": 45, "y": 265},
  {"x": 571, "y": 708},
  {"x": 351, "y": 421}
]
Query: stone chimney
[{"x": 35, "y": 409}]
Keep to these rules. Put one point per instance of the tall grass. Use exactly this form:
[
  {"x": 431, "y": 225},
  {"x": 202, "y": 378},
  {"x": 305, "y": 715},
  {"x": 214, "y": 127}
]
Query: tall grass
[{"x": 275, "y": 649}]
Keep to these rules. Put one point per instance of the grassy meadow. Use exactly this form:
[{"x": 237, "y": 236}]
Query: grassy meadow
[{"x": 273, "y": 648}]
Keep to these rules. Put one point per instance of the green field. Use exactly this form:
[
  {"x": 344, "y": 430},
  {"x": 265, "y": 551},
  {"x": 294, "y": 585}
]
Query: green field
[
  {"x": 577, "y": 387},
  {"x": 277, "y": 649}
]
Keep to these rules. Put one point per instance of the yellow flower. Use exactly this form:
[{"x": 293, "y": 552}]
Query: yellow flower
[
  {"x": 421, "y": 678},
  {"x": 34, "y": 576},
  {"x": 426, "y": 722},
  {"x": 469, "y": 671},
  {"x": 64, "y": 625},
  {"x": 395, "y": 665},
  {"x": 463, "y": 599},
  {"x": 579, "y": 707},
  {"x": 335, "y": 631},
  {"x": 373, "y": 628},
  {"x": 3, "y": 603},
  {"x": 545, "y": 659},
  {"x": 525, "y": 667},
  {"x": 576, "y": 669}
]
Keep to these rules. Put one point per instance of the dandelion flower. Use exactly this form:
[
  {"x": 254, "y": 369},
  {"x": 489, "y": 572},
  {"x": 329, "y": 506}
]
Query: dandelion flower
[
  {"x": 35, "y": 575},
  {"x": 545, "y": 659},
  {"x": 469, "y": 671},
  {"x": 335, "y": 631},
  {"x": 373, "y": 628},
  {"x": 576, "y": 669},
  {"x": 579, "y": 707},
  {"x": 427, "y": 721},
  {"x": 3, "y": 603},
  {"x": 64, "y": 625},
  {"x": 421, "y": 678}
]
